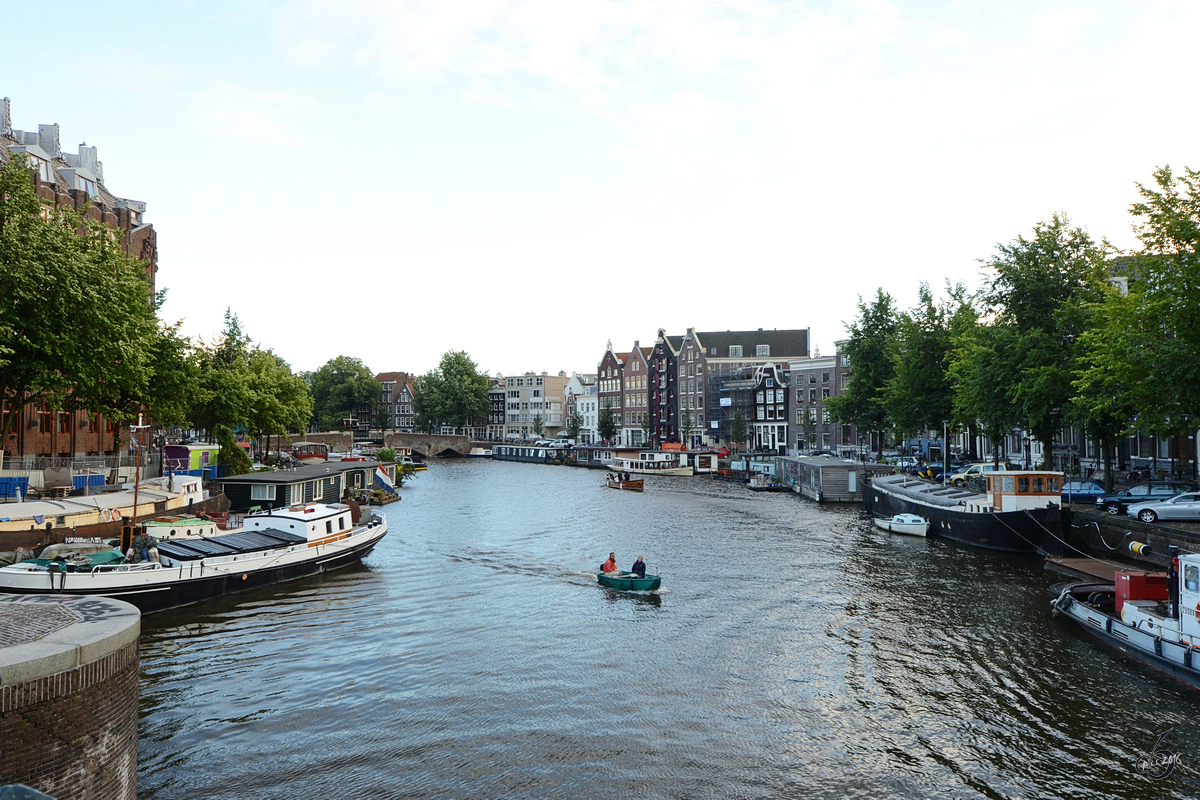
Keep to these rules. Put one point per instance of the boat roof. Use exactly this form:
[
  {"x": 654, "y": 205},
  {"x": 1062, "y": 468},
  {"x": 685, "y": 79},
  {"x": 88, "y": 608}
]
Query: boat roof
[
  {"x": 927, "y": 491},
  {"x": 79, "y": 504},
  {"x": 228, "y": 544},
  {"x": 305, "y": 473},
  {"x": 304, "y": 511}
]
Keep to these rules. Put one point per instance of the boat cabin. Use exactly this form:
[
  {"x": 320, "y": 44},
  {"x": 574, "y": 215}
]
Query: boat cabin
[
  {"x": 315, "y": 521},
  {"x": 310, "y": 452},
  {"x": 1020, "y": 491},
  {"x": 325, "y": 482},
  {"x": 192, "y": 459}
]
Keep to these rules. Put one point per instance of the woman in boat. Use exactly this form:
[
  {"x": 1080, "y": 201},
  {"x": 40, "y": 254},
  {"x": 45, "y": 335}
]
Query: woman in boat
[{"x": 639, "y": 568}]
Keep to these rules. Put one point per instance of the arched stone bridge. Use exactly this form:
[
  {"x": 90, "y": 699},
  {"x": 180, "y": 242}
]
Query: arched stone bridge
[{"x": 429, "y": 445}]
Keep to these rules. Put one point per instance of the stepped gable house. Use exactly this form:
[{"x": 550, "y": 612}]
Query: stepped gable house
[
  {"x": 74, "y": 180},
  {"x": 396, "y": 399}
]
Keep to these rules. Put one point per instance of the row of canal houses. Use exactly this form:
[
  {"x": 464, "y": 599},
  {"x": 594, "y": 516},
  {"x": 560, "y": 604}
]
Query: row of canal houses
[{"x": 689, "y": 389}]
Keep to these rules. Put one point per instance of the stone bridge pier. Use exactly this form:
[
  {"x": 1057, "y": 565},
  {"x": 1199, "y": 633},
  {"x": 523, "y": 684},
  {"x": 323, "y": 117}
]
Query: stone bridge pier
[{"x": 429, "y": 445}]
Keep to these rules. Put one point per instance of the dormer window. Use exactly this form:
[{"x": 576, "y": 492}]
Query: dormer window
[
  {"x": 735, "y": 351},
  {"x": 761, "y": 351}
]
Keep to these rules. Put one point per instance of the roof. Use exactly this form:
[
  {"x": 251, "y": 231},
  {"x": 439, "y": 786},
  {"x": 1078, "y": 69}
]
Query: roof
[
  {"x": 783, "y": 344},
  {"x": 305, "y": 473},
  {"x": 398, "y": 377}
]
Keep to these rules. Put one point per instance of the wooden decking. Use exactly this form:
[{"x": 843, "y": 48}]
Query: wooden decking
[{"x": 1084, "y": 568}]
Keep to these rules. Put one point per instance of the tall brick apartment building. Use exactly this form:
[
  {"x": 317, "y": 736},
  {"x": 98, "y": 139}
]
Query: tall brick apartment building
[{"x": 75, "y": 181}]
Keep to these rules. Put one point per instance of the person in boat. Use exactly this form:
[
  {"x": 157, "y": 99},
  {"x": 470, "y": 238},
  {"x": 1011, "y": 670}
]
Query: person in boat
[
  {"x": 610, "y": 566},
  {"x": 639, "y": 568},
  {"x": 143, "y": 548}
]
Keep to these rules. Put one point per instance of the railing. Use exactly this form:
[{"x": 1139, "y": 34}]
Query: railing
[{"x": 151, "y": 461}]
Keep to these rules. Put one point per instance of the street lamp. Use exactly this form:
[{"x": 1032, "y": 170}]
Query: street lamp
[
  {"x": 945, "y": 450},
  {"x": 1025, "y": 442}
]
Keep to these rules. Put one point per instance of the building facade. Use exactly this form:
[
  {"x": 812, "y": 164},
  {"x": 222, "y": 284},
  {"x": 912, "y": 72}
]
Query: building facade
[
  {"x": 610, "y": 386},
  {"x": 770, "y": 418},
  {"x": 664, "y": 388},
  {"x": 74, "y": 181},
  {"x": 533, "y": 405},
  {"x": 396, "y": 400},
  {"x": 813, "y": 381},
  {"x": 635, "y": 418}
]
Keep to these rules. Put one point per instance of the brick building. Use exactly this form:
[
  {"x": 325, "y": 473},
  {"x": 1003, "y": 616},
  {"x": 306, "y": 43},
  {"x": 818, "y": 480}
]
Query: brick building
[
  {"x": 74, "y": 181},
  {"x": 396, "y": 400},
  {"x": 664, "y": 388},
  {"x": 610, "y": 385}
]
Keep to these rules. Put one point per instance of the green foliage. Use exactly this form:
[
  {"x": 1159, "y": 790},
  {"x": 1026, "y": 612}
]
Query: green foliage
[
  {"x": 385, "y": 454},
  {"x": 869, "y": 349},
  {"x": 981, "y": 368},
  {"x": 1042, "y": 294},
  {"x": 339, "y": 388},
  {"x": 919, "y": 396},
  {"x": 232, "y": 457},
  {"x": 280, "y": 401},
  {"x": 78, "y": 323},
  {"x": 453, "y": 394},
  {"x": 606, "y": 423},
  {"x": 224, "y": 394},
  {"x": 685, "y": 428},
  {"x": 737, "y": 428},
  {"x": 538, "y": 425},
  {"x": 574, "y": 426}
]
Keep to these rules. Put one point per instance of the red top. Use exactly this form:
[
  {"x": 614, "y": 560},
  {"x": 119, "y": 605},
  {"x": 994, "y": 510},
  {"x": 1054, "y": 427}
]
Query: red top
[{"x": 610, "y": 566}]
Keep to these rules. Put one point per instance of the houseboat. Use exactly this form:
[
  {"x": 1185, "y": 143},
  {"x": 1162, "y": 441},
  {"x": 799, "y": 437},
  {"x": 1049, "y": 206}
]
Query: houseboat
[
  {"x": 310, "y": 452},
  {"x": 1149, "y": 617},
  {"x": 273, "y": 547},
  {"x": 100, "y": 514},
  {"x": 529, "y": 454},
  {"x": 327, "y": 482},
  {"x": 826, "y": 479},
  {"x": 1018, "y": 512},
  {"x": 654, "y": 462},
  {"x": 192, "y": 459}
]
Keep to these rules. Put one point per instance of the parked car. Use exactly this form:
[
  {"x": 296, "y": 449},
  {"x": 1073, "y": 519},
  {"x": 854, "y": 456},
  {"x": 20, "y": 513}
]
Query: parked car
[
  {"x": 1184, "y": 506},
  {"x": 1072, "y": 489},
  {"x": 1146, "y": 492},
  {"x": 979, "y": 470},
  {"x": 822, "y": 453}
]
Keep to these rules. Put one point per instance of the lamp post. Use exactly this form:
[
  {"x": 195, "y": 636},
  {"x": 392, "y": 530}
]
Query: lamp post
[
  {"x": 945, "y": 450},
  {"x": 1025, "y": 443}
]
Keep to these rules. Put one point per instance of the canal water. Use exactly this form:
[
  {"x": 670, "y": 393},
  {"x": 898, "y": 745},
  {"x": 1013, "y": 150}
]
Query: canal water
[{"x": 794, "y": 651}]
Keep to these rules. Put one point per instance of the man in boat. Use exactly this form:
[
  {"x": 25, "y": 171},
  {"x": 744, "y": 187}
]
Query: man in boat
[
  {"x": 610, "y": 566},
  {"x": 143, "y": 548},
  {"x": 639, "y": 568}
]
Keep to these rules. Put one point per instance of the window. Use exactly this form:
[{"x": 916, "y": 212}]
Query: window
[
  {"x": 761, "y": 412},
  {"x": 64, "y": 423},
  {"x": 761, "y": 351},
  {"x": 735, "y": 351},
  {"x": 824, "y": 393},
  {"x": 812, "y": 377},
  {"x": 770, "y": 382},
  {"x": 759, "y": 397},
  {"x": 44, "y": 418},
  {"x": 258, "y": 492},
  {"x": 824, "y": 377},
  {"x": 1191, "y": 578},
  {"x": 329, "y": 526},
  {"x": 812, "y": 395}
]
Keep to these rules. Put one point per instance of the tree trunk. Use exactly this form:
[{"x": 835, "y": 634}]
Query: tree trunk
[{"x": 1107, "y": 450}]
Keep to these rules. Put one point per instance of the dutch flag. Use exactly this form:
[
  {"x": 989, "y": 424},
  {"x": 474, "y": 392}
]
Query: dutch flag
[{"x": 383, "y": 481}]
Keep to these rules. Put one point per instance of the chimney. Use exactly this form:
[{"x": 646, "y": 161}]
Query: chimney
[
  {"x": 5, "y": 117},
  {"x": 87, "y": 158},
  {"x": 48, "y": 140}
]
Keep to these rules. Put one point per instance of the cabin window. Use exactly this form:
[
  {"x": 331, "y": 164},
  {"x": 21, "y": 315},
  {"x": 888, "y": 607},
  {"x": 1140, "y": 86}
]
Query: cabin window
[
  {"x": 1039, "y": 485},
  {"x": 341, "y": 523},
  {"x": 1052, "y": 486},
  {"x": 1023, "y": 485},
  {"x": 1191, "y": 578},
  {"x": 262, "y": 492},
  {"x": 329, "y": 526}
]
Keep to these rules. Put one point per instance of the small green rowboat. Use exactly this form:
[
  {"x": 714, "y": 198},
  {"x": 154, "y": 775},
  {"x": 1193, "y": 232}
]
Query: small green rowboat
[{"x": 627, "y": 581}]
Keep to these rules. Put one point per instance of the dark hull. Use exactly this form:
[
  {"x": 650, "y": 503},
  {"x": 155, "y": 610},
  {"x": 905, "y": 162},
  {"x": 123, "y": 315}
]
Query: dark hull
[
  {"x": 196, "y": 590},
  {"x": 1011, "y": 532},
  {"x": 1180, "y": 664}
]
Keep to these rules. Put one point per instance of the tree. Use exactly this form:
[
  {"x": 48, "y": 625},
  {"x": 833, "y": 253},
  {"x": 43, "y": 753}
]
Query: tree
[
  {"x": 280, "y": 401},
  {"x": 918, "y": 396},
  {"x": 538, "y": 425},
  {"x": 224, "y": 393},
  {"x": 647, "y": 430},
  {"x": 606, "y": 424},
  {"x": 64, "y": 263},
  {"x": 1042, "y": 292},
  {"x": 869, "y": 350},
  {"x": 737, "y": 428},
  {"x": 454, "y": 393},
  {"x": 981, "y": 368},
  {"x": 685, "y": 428},
  {"x": 574, "y": 426},
  {"x": 339, "y": 388},
  {"x": 232, "y": 457},
  {"x": 810, "y": 427},
  {"x": 168, "y": 394}
]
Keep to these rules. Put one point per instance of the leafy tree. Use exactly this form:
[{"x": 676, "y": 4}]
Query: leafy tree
[
  {"x": 1042, "y": 293},
  {"x": 981, "y": 368},
  {"x": 224, "y": 394},
  {"x": 538, "y": 425},
  {"x": 919, "y": 396},
  {"x": 454, "y": 393},
  {"x": 231, "y": 456},
  {"x": 606, "y": 424},
  {"x": 737, "y": 428},
  {"x": 685, "y": 428},
  {"x": 647, "y": 428},
  {"x": 574, "y": 425},
  {"x": 168, "y": 394},
  {"x": 869, "y": 349},
  {"x": 386, "y": 455},
  {"x": 339, "y": 388},
  {"x": 810, "y": 428},
  {"x": 61, "y": 263},
  {"x": 280, "y": 401}
]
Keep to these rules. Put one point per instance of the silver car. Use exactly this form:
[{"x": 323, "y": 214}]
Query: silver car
[{"x": 1184, "y": 506}]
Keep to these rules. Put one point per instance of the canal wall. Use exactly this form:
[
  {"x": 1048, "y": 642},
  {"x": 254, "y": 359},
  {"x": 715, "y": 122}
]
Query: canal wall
[
  {"x": 69, "y": 696},
  {"x": 1107, "y": 536}
]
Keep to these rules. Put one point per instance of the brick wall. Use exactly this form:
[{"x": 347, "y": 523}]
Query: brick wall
[{"x": 73, "y": 735}]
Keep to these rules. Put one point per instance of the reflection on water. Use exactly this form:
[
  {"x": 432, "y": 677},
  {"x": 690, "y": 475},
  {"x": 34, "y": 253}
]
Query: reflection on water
[{"x": 792, "y": 651}]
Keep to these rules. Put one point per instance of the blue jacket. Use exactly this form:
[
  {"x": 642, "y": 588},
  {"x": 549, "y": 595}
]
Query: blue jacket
[{"x": 639, "y": 569}]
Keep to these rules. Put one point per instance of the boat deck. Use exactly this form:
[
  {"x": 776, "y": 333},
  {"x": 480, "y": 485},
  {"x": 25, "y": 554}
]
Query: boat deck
[
  {"x": 927, "y": 491},
  {"x": 1084, "y": 568}
]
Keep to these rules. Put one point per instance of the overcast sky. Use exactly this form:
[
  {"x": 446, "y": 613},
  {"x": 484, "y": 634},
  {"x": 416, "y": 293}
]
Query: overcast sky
[{"x": 526, "y": 179}]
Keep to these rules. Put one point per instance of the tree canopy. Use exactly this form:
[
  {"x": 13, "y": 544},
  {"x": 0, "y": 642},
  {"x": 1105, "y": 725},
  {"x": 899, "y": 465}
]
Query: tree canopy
[
  {"x": 872, "y": 367},
  {"x": 339, "y": 388},
  {"x": 454, "y": 393}
]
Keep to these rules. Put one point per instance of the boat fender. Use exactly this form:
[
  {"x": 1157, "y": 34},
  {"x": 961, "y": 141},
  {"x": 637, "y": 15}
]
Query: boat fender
[
  {"x": 105, "y": 515},
  {"x": 1140, "y": 549}
]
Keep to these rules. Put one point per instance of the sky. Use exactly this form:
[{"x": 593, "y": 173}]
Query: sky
[{"x": 527, "y": 180}]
